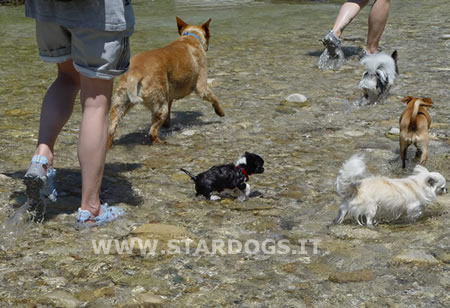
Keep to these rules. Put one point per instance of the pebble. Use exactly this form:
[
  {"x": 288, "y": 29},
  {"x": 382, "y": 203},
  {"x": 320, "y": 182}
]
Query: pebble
[
  {"x": 416, "y": 256},
  {"x": 355, "y": 276},
  {"x": 188, "y": 132},
  {"x": 394, "y": 131},
  {"x": 59, "y": 298},
  {"x": 296, "y": 98}
]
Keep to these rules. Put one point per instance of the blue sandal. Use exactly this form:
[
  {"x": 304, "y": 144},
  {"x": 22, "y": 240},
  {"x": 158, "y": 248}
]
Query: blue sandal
[
  {"x": 109, "y": 214},
  {"x": 40, "y": 184}
]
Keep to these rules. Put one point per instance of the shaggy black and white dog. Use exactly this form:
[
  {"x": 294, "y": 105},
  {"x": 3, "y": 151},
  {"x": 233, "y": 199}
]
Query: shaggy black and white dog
[
  {"x": 228, "y": 176},
  {"x": 378, "y": 77}
]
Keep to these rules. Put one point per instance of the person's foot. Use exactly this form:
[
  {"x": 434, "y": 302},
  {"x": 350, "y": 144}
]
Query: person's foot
[
  {"x": 365, "y": 53},
  {"x": 332, "y": 44},
  {"x": 108, "y": 214},
  {"x": 333, "y": 56},
  {"x": 40, "y": 180}
]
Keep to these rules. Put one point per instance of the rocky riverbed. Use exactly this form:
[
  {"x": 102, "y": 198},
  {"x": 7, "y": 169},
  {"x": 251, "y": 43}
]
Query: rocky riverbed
[{"x": 279, "y": 247}]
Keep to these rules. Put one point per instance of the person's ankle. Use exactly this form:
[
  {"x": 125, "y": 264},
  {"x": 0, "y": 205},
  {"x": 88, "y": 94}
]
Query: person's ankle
[
  {"x": 371, "y": 50},
  {"x": 337, "y": 33},
  {"x": 95, "y": 210}
]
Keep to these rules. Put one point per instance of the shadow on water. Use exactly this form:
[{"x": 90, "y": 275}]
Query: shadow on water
[
  {"x": 115, "y": 189},
  {"x": 179, "y": 120}
]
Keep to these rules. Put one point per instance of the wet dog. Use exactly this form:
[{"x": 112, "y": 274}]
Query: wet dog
[
  {"x": 228, "y": 176},
  {"x": 378, "y": 77},
  {"x": 369, "y": 198},
  {"x": 158, "y": 77},
  {"x": 414, "y": 124}
]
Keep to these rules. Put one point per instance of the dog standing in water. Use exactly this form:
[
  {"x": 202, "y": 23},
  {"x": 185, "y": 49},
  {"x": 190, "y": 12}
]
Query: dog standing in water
[
  {"x": 229, "y": 176},
  {"x": 369, "y": 198},
  {"x": 414, "y": 125},
  {"x": 158, "y": 77},
  {"x": 378, "y": 77}
]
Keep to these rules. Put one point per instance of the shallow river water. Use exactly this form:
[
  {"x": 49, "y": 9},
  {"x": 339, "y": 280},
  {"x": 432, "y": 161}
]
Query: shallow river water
[{"x": 291, "y": 256}]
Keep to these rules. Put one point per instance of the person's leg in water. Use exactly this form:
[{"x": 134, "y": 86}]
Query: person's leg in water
[
  {"x": 95, "y": 97},
  {"x": 333, "y": 56},
  {"x": 347, "y": 13},
  {"x": 56, "y": 110},
  {"x": 377, "y": 22}
]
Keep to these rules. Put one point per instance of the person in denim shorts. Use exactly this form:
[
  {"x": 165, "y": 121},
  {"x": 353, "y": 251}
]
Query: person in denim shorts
[{"x": 89, "y": 42}]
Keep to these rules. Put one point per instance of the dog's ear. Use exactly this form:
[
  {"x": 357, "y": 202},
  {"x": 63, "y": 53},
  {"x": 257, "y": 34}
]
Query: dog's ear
[
  {"x": 407, "y": 99},
  {"x": 427, "y": 102},
  {"x": 205, "y": 27},
  {"x": 431, "y": 181},
  {"x": 181, "y": 25},
  {"x": 394, "y": 56}
]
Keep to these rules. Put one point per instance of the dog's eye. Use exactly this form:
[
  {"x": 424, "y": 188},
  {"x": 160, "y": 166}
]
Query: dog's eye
[{"x": 366, "y": 74}]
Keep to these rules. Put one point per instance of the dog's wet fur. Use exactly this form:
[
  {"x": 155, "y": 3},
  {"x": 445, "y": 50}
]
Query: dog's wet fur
[
  {"x": 378, "y": 77},
  {"x": 228, "y": 176},
  {"x": 368, "y": 199}
]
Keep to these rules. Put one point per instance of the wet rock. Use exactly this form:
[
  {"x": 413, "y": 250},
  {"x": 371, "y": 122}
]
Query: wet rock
[
  {"x": 188, "y": 132},
  {"x": 59, "y": 299},
  {"x": 162, "y": 230},
  {"x": 355, "y": 276},
  {"x": 354, "y": 133},
  {"x": 88, "y": 295},
  {"x": 212, "y": 82},
  {"x": 415, "y": 257},
  {"x": 444, "y": 257},
  {"x": 158, "y": 238},
  {"x": 149, "y": 300},
  {"x": 56, "y": 282},
  {"x": 353, "y": 232},
  {"x": 296, "y": 98},
  {"x": 394, "y": 131}
]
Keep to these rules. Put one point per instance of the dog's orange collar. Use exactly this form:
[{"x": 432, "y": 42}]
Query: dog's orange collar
[{"x": 243, "y": 172}]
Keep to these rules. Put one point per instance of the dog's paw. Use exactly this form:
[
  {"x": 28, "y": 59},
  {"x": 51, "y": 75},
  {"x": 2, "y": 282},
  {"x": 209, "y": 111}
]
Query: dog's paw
[{"x": 214, "y": 198}]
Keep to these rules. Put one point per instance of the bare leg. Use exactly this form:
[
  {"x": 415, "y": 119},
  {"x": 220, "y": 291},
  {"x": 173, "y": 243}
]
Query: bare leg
[
  {"x": 377, "y": 21},
  {"x": 95, "y": 100},
  {"x": 347, "y": 13},
  {"x": 57, "y": 108}
]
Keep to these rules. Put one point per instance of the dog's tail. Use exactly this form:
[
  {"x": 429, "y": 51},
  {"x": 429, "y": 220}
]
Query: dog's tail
[
  {"x": 350, "y": 175},
  {"x": 193, "y": 177},
  {"x": 133, "y": 85},
  {"x": 425, "y": 102}
]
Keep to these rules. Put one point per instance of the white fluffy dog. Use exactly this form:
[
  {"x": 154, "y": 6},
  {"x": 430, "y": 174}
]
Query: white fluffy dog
[
  {"x": 378, "y": 77},
  {"x": 381, "y": 198}
]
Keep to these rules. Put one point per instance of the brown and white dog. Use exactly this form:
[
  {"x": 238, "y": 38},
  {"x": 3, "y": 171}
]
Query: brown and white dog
[
  {"x": 414, "y": 124},
  {"x": 158, "y": 77}
]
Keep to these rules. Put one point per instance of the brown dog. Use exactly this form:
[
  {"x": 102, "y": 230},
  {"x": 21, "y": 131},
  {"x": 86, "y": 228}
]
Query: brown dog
[
  {"x": 414, "y": 124},
  {"x": 158, "y": 77}
]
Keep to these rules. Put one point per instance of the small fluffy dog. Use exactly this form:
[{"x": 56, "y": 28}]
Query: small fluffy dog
[
  {"x": 414, "y": 124},
  {"x": 381, "y": 198},
  {"x": 378, "y": 77},
  {"x": 158, "y": 77},
  {"x": 228, "y": 176}
]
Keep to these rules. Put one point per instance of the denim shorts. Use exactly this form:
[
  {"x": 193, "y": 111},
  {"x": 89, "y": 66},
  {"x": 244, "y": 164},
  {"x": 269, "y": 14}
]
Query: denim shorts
[{"x": 95, "y": 53}]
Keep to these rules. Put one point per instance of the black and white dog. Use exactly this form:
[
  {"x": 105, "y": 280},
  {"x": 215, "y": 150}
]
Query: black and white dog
[
  {"x": 378, "y": 77},
  {"x": 228, "y": 176}
]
